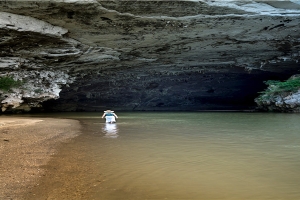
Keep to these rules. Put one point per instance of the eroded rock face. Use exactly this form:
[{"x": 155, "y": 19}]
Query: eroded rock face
[
  {"x": 287, "y": 102},
  {"x": 37, "y": 87},
  {"x": 146, "y": 55},
  {"x": 281, "y": 100}
]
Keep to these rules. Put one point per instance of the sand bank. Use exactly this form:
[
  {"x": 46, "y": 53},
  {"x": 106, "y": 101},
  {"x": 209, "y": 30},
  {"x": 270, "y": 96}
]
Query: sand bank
[{"x": 26, "y": 144}]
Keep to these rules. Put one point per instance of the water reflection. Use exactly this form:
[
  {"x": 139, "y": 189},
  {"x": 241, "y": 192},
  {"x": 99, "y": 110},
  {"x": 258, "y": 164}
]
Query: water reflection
[
  {"x": 195, "y": 156},
  {"x": 110, "y": 130}
]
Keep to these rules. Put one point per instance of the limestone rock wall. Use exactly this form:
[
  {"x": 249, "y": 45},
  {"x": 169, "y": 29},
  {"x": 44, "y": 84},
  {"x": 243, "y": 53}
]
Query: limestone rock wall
[
  {"x": 281, "y": 103},
  {"x": 281, "y": 100},
  {"x": 37, "y": 87},
  {"x": 146, "y": 55}
]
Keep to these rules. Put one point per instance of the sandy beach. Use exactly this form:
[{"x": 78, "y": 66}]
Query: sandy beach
[{"x": 27, "y": 144}]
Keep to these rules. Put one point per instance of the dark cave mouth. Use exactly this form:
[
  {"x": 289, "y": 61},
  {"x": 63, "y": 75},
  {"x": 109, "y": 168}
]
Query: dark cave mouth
[{"x": 210, "y": 91}]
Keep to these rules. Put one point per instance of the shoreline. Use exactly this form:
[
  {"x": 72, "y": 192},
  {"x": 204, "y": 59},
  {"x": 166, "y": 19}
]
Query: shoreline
[{"x": 27, "y": 144}]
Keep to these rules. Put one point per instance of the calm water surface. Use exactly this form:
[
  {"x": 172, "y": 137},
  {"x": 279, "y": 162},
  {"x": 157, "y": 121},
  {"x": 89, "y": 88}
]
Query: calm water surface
[{"x": 218, "y": 155}]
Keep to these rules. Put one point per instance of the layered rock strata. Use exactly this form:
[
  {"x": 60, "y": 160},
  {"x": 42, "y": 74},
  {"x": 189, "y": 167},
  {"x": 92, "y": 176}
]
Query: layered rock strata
[{"x": 146, "y": 55}]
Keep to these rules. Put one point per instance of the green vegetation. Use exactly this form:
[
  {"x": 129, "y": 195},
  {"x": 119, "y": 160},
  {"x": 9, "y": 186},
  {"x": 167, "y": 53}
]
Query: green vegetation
[
  {"x": 38, "y": 91},
  {"x": 7, "y": 82},
  {"x": 278, "y": 87}
]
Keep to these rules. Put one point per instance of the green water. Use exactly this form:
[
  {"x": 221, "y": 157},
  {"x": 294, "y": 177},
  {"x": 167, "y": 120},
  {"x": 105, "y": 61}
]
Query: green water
[{"x": 209, "y": 156}]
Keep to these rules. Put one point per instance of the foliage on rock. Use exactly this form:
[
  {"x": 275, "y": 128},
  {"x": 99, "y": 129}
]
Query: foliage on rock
[
  {"x": 7, "y": 82},
  {"x": 277, "y": 87},
  {"x": 281, "y": 95}
]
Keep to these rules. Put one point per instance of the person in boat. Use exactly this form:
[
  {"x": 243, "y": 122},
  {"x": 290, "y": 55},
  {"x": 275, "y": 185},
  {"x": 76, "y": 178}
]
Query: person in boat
[{"x": 110, "y": 116}]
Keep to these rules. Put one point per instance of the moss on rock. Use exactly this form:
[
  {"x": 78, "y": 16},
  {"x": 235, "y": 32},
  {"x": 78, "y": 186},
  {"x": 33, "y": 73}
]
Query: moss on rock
[
  {"x": 7, "y": 82},
  {"x": 281, "y": 96}
]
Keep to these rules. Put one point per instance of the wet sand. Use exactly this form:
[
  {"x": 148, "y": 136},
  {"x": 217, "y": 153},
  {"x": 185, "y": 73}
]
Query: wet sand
[{"x": 26, "y": 145}]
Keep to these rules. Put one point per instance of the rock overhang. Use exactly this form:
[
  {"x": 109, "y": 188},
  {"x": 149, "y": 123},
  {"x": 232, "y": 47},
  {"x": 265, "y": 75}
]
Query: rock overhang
[{"x": 143, "y": 55}]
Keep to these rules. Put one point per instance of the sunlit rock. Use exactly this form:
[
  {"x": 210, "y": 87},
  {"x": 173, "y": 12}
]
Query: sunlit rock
[{"x": 279, "y": 99}]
